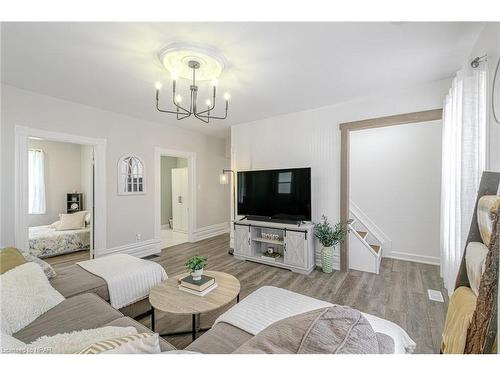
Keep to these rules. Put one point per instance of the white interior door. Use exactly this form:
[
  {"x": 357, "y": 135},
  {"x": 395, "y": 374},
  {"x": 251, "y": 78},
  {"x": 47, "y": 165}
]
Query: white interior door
[{"x": 180, "y": 199}]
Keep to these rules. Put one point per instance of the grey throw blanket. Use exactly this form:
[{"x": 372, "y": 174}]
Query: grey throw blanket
[{"x": 331, "y": 330}]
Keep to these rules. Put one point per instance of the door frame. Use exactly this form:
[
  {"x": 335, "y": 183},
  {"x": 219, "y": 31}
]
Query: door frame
[
  {"x": 345, "y": 149},
  {"x": 191, "y": 158},
  {"x": 21, "y": 216}
]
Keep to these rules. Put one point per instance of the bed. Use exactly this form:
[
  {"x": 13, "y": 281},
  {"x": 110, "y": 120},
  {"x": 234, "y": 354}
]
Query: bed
[{"x": 45, "y": 241}]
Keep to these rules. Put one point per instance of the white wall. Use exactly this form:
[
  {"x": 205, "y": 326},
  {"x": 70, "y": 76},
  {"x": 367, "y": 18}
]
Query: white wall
[
  {"x": 63, "y": 170},
  {"x": 126, "y": 215},
  {"x": 396, "y": 181},
  {"x": 312, "y": 138},
  {"x": 488, "y": 43}
]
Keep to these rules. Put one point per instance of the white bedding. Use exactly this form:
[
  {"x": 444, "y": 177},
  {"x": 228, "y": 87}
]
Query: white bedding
[
  {"x": 45, "y": 241},
  {"x": 269, "y": 304},
  {"x": 129, "y": 279}
]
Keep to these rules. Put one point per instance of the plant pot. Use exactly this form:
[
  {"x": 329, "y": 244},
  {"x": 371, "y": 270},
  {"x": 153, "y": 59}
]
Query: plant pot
[
  {"x": 327, "y": 259},
  {"x": 197, "y": 274}
]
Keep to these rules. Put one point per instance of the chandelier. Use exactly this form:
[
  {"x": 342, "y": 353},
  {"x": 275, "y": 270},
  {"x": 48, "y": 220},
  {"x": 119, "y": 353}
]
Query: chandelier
[{"x": 194, "y": 63}]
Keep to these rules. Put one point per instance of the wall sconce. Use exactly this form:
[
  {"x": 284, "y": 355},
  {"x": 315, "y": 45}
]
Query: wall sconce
[{"x": 224, "y": 180}]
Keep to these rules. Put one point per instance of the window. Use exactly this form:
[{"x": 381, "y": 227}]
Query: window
[
  {"x": 36, "y": 182},
  {"x": 285, "y": 183},
  {"x": 130, "y": 175}
]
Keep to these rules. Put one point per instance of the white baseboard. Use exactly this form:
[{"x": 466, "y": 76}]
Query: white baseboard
[
  {"x": 138, "y": 249},
  {"x": 413, "y": 257},
  {"x": 210, "y": 231}
]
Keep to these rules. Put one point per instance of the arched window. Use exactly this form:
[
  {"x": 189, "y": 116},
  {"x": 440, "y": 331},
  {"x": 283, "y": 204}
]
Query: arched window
[{"x": 130, "y": 175}]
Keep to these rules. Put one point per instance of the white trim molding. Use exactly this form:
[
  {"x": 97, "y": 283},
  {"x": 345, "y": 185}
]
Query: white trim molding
[
  {"x": 191, "y": 158},
  {"x": 427, "y": 259},
  {"x": 211, "y": 231},
  {"x": 139, "y": 249},
  {"x": 22, "y": 133}
]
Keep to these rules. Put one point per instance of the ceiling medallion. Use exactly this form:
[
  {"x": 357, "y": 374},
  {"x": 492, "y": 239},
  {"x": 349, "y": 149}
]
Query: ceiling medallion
[{"x": 196, "y": 63}]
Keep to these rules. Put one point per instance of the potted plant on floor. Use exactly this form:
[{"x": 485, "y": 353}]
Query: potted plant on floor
[
  {"x": 195, "y": 265},
  {"x": 329, "y": 237}
]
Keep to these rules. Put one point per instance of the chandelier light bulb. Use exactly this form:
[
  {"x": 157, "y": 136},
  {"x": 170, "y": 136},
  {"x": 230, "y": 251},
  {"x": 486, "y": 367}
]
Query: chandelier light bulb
[
  {"x": 175, "y": 76},
  {"x": 158, "y": 85},
  {"x": 227, "y": 96},
  {"x": 178, "y": 99},
  {"x": 215, "y": 82},
  {"x": 208, "y": 102}
]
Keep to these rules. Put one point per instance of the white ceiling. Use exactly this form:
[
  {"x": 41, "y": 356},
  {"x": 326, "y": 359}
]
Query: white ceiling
[{"x": 274, "y": 68}]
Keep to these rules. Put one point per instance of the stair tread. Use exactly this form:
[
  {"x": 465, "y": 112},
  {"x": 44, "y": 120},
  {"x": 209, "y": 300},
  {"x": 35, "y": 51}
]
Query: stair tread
[
  {"x": 362, "y": 233},
  {"x": 376, "y": 248}
]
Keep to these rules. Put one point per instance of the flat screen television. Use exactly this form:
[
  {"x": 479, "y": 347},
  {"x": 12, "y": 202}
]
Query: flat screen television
[{"x": 275, "y": 195}]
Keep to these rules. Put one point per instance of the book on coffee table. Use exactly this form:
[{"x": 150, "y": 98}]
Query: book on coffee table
[
  {"x": 197, "y": 285},
  {"x": 195, "y": 292}
]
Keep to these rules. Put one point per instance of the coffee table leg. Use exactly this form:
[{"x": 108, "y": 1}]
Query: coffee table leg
[
  {"x": 152, "y": 319},
  {"x": 195, "y": 325},
  {"x": 238, "y": 298}
]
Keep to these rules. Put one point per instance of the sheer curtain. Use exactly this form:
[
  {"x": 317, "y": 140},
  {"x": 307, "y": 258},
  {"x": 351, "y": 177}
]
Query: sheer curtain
[
  {"x": 463, "y": 161},
  {"x": 36, "y": 180}
]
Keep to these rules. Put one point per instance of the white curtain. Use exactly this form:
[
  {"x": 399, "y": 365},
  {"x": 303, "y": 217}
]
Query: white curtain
[
  {"x": 36, "y": 181},
  {"x": 463, "y": 161}
]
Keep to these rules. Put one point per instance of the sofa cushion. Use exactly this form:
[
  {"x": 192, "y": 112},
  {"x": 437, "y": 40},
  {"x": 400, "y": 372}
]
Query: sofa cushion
[
  {"x": 74, "y": 280},
  {"x": 222, "y": 338},
  {"x": 125, "y": 321},
  {"x": 84, "y": 311},
  {"x": 10, "y": 258}
]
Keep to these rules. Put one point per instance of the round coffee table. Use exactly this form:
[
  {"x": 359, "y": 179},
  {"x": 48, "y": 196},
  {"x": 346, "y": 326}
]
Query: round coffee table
[{"x": 168, "y": 298}]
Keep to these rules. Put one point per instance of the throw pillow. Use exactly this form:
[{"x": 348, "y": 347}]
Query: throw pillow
[
  {"x": 47, "y": 268},
  {"x": 475, "y": 256},
  {"x": 74, "y": 342},
  {"x": 140, "y": 343},
  {"x": 9, "y": 344},
  {"x": 10, "y": 258},
  {"x": 26, "y": 294},
  {"x": 331, "y": 330},
  {"x": 71, "y": 221}
]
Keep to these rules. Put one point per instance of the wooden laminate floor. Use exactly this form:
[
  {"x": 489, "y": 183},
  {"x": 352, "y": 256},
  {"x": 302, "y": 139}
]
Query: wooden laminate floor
[{"x": 398, "y": 293}]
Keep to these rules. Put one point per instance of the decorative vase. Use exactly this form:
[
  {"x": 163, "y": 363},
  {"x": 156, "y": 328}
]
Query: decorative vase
[
  {"x": 197, "y": 274},
  {"x": 327, "y": 259}
]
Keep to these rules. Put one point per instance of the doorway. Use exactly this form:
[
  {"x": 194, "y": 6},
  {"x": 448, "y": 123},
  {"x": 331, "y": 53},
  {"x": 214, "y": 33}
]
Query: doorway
[
  {"x": 175, "y": 196},
  {"x": 345, "y": 159},
  {"x": 88, "y": 193},
  {"x": 174, "y": 200}
]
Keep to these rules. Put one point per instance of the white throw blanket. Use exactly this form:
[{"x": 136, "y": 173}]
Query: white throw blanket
[
  {"x": 129, "y": 279},
  {"x": 269, "y": 304}
]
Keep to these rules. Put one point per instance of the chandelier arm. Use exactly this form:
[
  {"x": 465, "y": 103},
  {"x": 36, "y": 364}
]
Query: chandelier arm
[
  {"x": 165, "y": 110},
  {"x": 215, "y": 117},
  {"x": 202, "y": 119}
]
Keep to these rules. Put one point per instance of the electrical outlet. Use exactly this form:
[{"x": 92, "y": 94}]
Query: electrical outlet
[{"x": 138, "y": 237}]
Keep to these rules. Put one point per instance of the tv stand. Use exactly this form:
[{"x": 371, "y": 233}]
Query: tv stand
[{"x": 284, "y": 245}]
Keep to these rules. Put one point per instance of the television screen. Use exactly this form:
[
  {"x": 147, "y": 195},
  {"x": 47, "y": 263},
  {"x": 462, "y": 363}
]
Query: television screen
[{"x": 281, "y": 194}]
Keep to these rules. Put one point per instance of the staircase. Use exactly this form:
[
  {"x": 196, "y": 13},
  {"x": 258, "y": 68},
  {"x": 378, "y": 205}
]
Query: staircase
[{"x": 366, "y": 242}]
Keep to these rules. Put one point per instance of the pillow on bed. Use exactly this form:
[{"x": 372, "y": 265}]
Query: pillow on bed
[
  {"x": 331, "y": 330},
  {"x": 458, "y": 318},
  {"x": 87, "y": 218},
  {"x": 475, "y": 257},
  {"x": 486, "y": 210},
  {"x": 71, "y": 221}
]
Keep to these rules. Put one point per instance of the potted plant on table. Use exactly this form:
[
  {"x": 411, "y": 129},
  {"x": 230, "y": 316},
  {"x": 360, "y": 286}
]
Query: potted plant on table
[
  {"x": 329, "y": 237},
  {"x": 195, "y": 265}
]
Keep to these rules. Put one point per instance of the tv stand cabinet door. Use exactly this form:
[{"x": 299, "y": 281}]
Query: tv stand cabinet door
[
  {"x": 242, "y": 240},
  {"x": 295, "y": 249}
]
